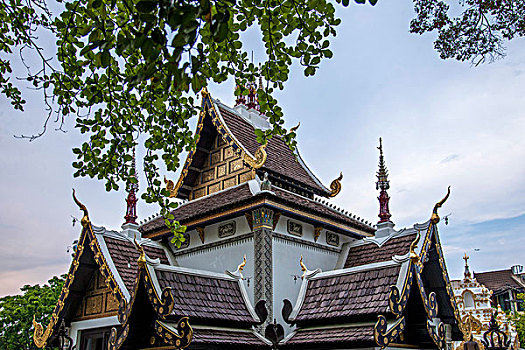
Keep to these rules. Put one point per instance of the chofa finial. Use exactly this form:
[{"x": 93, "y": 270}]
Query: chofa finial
[
  {"x": 85, "y": 219},
  {"x": 335, "y": 186},
  {"x": 141, "y": 261},
  {"x": 303, "y": 268},
  {"x": 435, "y": 216},
  {"x": 241, "y": 266}
]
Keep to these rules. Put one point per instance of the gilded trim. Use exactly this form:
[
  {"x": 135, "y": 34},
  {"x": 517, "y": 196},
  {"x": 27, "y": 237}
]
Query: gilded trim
[
  {"x": 182, "y": 336},
  {"x": 383, "y": 335},
  {"x": 208, "y": 107},
  {"x": 41, "y": 336},
  {"x": 397, "y": 301},
  {"x": 437, "y": 334}
]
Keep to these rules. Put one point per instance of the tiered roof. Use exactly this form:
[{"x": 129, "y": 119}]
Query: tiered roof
[{"x": 368, "y": 299}]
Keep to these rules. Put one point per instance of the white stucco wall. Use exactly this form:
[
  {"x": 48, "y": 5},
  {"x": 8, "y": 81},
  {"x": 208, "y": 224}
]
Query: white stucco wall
[{"x": 223, "y": 257}]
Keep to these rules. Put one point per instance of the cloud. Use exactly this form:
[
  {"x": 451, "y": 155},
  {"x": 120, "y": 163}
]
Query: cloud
[{"x": 450, "y": 158}]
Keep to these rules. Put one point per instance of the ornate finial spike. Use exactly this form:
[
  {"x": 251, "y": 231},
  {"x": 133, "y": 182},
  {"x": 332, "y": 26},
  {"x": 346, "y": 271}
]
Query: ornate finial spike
[
  {"x": 413, "y": 255},
  {"x": 85, "y": 219},
  {"x": 131, "y": 200},
  {"x": 303, "y": 268},
  {"x": 335, "y": 186},
  {"x": 141, "y": 261},
  {"x": 467, "y": 269},
  {"x": 435, "y": 216},
  {"x": 383, "y": 184}
]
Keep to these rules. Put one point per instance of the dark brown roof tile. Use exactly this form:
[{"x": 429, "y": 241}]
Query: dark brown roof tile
[
  {"x": 371, "y": 253},
  {"x": 348, "y": 295},
  {"x": 205, "y": 297}
]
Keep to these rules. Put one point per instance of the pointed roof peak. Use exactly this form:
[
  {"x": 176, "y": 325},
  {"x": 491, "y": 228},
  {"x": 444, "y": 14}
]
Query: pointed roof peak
[
  {"x": 382, "y": 172},
  {"x": 383, "y": 184}
]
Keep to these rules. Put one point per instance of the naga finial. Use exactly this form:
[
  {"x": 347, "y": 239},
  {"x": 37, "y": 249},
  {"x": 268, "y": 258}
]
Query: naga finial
[
  {"x": 170, "y": 186},
  {"x": 294, "y": 129},
  {"x": 335, "y": 186},
  {"x": 303, "y": 268},
  {"x": 435, "y": 216},
  {"x": 260, "y": 157},
  {"x": 85, "y": 219},
  {"x": 141, "y": 261},
  {"x": 413, "y": 255},
  {"x": 241, "y": 266}
]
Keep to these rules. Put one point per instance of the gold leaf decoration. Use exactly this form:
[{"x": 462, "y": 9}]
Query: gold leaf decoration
[
  {"x": 335, "y": 186},
  {"x": 260, "y": 157}
]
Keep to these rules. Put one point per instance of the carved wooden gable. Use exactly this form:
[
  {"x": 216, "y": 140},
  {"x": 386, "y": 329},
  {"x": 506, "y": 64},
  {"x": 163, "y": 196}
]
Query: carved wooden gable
[
  {"x": 223, "y": 168},
  {"x": 97, "y": 302}
]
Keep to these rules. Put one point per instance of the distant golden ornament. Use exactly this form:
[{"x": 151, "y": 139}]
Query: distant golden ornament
[
  {"x": 303, "y": 267},
  {"x": 241, "y": 266},
  {"x": 335, "y": 186},
  {"x": 294, "y": 129},
  {"x": 141, "y": 261},
  {"x": 260, "y": 157},
  {"x": 317, "y": 232},
  {"x": 39, "y": 336},
  {"x": 435, "y": 216},
  {"x": 413, "y": 255},
  {"x": 170, "y": 186},
  {"x": 85, "y": 219},
  {"x": 200, "y": 230}
]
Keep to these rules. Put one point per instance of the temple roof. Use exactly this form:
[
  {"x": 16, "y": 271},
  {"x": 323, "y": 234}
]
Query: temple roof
[
  {"x": 124, "y": 256},
  {"x": 280, "y": 160},
  {"x": 242, "y": 196},
  {"x": 348, "y": 293},
  {"x": 232, "y": 338},
  {"x": 313, "y": 337},
  {"x": 206, "y": 296},
  {"x": 368, "y": 251},
  {"x": 499, "y": 281},
  {"x": 227, "y": 153}
]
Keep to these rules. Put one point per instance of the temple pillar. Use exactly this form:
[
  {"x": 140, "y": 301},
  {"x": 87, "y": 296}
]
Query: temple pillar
[{"x": 263, "y": 264}]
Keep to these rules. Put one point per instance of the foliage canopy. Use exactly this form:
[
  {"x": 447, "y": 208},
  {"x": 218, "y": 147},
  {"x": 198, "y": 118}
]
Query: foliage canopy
[
  {"x": 16, "y": 313},
  {"x": 126, "y": 69}
]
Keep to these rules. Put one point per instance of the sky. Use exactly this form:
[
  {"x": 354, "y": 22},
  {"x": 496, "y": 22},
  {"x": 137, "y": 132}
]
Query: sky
[{"x": 442, "y": 123}]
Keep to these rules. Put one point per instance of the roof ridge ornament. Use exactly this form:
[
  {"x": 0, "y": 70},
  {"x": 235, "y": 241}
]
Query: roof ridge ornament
[
  {"x": 383, "y": 184},
  {"x": 414, "y": 257},
  {"x": 141, "y": 261},
  {"x": 260, "y": 157},
  {"x": 335, "y": 186},
  {"x": 85, "y": 219},
  {"x": 435, "y": 217}
]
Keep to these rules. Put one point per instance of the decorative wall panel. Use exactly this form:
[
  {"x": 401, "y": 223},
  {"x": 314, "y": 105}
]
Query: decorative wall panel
[
  {"x": 223, "y": 169},
  {"x": 97, "y": 302}
]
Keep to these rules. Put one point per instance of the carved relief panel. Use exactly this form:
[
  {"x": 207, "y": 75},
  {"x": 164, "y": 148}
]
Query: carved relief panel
[
  {"x": 224, "y": 168},
  {"x": 97, "y": 302}
]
